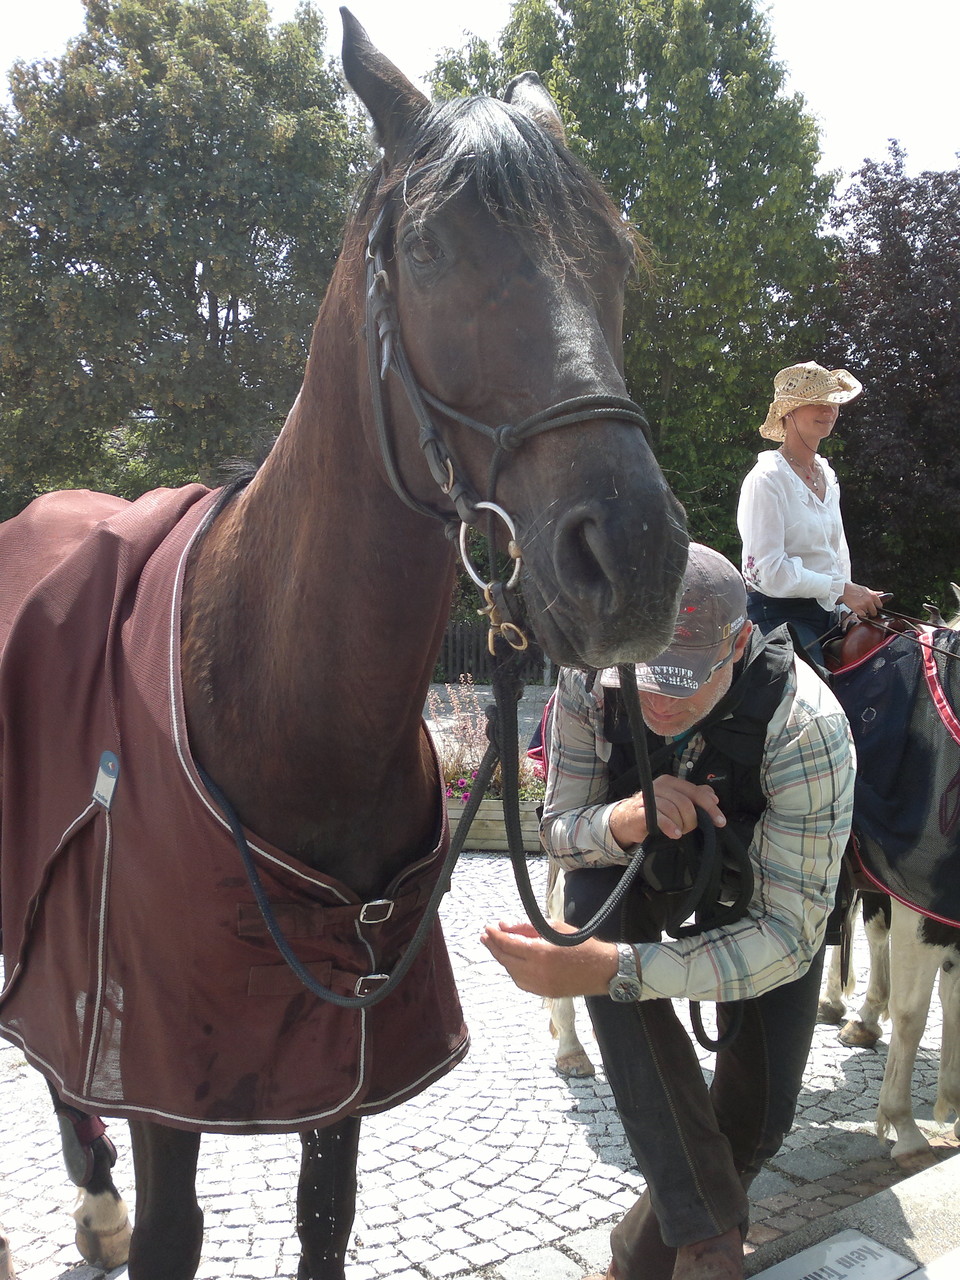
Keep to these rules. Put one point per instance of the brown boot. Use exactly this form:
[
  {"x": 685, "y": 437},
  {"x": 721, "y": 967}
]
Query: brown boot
[
  {"x": 638, "y": 1248},
  {"x": 719, "y": 1258}
]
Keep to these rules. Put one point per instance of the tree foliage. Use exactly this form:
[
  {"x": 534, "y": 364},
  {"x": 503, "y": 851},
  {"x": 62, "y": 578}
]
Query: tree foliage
[
  {"x": 678, "y": 105},
  {"x": 896, "y": 323},
  {"x": 172, "y": 192}
]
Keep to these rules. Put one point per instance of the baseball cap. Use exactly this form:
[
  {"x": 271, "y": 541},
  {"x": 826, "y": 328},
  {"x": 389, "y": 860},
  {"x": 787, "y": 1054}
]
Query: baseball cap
[{"x": 712, "y": 610}]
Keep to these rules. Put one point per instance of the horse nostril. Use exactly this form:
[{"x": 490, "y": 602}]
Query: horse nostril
[{"x": 584, "y": 560}]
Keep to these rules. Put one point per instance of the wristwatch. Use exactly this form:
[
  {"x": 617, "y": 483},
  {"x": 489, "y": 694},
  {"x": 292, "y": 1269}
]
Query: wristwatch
[{"x": 625, "y": 986}]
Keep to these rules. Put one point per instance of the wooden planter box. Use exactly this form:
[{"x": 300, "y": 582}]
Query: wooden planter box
[{"x": 488, "y": 832}]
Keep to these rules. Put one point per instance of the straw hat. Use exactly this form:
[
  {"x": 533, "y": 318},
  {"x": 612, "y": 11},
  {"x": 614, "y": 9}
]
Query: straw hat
[{"x": 801, "y": 384}]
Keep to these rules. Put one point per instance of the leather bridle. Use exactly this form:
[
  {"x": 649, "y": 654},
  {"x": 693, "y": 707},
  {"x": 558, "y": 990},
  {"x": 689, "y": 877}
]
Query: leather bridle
[{"x": 386, "y": 353}]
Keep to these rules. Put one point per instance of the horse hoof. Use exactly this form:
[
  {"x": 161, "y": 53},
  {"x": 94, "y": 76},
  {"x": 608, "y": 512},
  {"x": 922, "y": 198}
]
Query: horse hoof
[
  {"x": 915, "y": 1161},
  {"x": 575, "y": 1066},
  {"x": 103, "y": 1233},
  {"x": 6, "y": 1263},
  {"x": 829, "y": 1014},
  {"x": 106, "y": 1249},
  {"x": 856, "y": 1036}
]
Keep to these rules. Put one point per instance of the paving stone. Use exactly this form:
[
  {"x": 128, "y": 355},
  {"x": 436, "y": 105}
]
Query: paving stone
[
  {"x": 526, "y": 1171},
  {"x": 446, "y": 1264},
  {"x": 807, "y": 1163}
]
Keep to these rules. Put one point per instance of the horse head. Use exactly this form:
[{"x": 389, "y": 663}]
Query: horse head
[{"x": 495, "y": 306}]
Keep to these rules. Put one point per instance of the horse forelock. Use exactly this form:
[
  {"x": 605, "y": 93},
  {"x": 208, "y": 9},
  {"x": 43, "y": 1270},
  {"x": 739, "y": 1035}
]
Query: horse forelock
[{"x": 498, "y": 155}]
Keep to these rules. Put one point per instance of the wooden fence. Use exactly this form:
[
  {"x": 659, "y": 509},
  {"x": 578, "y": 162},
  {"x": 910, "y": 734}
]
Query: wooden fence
[{"x": 464, "y": 652}]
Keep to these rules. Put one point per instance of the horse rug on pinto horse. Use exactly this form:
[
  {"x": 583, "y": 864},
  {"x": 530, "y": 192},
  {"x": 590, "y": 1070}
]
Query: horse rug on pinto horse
[
  {"x": 901, "y": 700},
  {"x": 139, "y": 975}
]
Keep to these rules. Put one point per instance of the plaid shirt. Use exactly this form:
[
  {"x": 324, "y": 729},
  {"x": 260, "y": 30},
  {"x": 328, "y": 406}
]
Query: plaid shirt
[{"x": 807, "y": 775}]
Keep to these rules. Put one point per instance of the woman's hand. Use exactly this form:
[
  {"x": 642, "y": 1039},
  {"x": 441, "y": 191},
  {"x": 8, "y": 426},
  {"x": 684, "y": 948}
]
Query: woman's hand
[
  {"x": 548, "y": 970},
  {"x": 677, "y": 805},
  {"x": 864, "y": 602}
]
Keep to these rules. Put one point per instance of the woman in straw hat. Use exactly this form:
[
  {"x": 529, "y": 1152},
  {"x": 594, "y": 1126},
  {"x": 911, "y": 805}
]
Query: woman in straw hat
[{"x": 795, "y": 557}]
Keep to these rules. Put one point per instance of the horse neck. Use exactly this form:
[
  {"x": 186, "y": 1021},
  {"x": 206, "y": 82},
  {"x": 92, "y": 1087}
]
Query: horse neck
[{"x": 313, "y": 612}]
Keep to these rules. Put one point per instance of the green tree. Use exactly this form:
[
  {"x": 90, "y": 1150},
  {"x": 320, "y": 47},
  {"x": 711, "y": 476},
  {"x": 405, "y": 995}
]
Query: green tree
[
  {"x": 172, "y": 191},
  {"x": 896, "y": 323},
  {"x": 679, "y": 106}
]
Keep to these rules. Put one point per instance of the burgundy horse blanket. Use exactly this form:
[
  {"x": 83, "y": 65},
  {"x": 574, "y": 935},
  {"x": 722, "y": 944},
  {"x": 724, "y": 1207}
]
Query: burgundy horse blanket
[
  {"x": 139, "y": 975},
  {"x": 902, "y": 702}
]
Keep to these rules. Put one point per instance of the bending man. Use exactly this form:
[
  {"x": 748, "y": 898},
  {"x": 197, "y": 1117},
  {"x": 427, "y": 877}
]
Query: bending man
[{"x": 739, "y": 729}]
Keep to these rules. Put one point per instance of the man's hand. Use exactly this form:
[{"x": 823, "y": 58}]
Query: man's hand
[
  {"x": 677, "y": 804},
  {"x": 548, "y": 970}
]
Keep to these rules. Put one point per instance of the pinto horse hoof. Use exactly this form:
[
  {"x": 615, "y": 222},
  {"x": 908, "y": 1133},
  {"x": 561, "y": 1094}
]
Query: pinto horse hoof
[
  {"x": 856, "y": 1036},
  {"x": 915, "y": 1161},
  {"x": 575, "y": 1066},
  {"x": 103, "y": 1232},
  {"x": 6, "y": 1262},
  {"x": 830, "y": 1014}
]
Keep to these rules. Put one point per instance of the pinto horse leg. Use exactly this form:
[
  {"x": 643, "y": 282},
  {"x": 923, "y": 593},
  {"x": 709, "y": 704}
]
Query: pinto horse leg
[
  {"x": 103, "y": 1227},
  {"x": 913, "y": 966},
  {"x": 572, "y": 1059},
  {"x": 948, "y": 1083},
  {"x": 6, "y": 1260},
  {"x": 864, "y": 1031},
  {"x": 831, "y": 1008},
  {"x": 327, "y": 1198},
  {"x": 168, "y": 1233}
]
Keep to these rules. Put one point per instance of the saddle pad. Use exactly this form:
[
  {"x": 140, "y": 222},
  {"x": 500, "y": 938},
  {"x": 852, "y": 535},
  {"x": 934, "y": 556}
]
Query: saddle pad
[
  {"x": 901, "y": 703},
  {"x": 139, "y": 976}
]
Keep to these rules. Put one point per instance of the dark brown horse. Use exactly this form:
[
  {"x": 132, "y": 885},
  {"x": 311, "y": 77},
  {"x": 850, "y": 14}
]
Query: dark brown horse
[{"x": 312, "y": 603}]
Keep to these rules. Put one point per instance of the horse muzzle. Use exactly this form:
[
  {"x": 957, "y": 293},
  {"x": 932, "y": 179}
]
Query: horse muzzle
[{"x": 604, "y": 587}]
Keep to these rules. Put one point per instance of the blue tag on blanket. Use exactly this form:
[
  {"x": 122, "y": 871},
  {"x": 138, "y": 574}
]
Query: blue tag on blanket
[{"x": 107, "y": 775}]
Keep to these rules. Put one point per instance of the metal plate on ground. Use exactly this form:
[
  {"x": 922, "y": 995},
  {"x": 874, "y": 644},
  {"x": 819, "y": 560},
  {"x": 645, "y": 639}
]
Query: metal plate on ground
[{"x": 849, "y": 1255}]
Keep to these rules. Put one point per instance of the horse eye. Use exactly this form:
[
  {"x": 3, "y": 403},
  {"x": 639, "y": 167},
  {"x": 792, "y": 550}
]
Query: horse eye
[{"x": 423, "y": 250}]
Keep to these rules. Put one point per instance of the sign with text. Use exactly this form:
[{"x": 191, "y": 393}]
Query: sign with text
[{"x": 849, "y": 1255}]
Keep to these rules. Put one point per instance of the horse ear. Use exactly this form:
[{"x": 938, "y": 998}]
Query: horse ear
[
  {"x": 395, "y": 105},
  {"x": 528, "y": 92}
]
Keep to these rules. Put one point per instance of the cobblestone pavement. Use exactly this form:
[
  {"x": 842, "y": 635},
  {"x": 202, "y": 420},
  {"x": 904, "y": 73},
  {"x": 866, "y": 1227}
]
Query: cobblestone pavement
[{"x": 503, "y": 1170}]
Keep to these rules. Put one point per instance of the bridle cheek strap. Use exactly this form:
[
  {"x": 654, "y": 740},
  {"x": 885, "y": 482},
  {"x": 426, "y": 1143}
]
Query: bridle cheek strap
[{"x": 386, "y": 354}]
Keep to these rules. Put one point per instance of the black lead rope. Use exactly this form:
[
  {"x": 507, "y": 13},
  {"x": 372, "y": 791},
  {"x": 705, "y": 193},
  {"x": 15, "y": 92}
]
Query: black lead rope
[
  {"x": 502, "y": 732},
  {"x": 507, "y": 690},
  {"x": 506, "y": 732},
  {"x": 386, "y": 983}
]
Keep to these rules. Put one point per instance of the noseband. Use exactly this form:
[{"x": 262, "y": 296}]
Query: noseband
[{"x": 386, "y": 352}]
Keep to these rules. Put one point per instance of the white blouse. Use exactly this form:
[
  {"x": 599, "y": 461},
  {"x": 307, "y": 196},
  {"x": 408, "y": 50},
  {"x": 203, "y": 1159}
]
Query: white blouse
[{"x": 793, "y": 544}]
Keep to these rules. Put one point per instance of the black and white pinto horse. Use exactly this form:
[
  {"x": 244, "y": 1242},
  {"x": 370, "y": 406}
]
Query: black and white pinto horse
[{"x": 907, "y": 950}]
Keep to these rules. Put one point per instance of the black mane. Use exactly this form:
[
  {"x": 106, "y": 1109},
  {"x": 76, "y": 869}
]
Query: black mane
[{"x": 521, "y": 174}]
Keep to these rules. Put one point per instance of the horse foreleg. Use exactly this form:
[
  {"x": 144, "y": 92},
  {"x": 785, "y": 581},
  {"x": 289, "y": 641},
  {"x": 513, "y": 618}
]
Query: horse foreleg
[
  {"x": 168, "y": 1233},
  {"x": 572, "y": 1060},
  {"x": 327, "y": 1198},
  {"x": 103, "y": 1227},
  {"x": 948, "y": 1084},
  {"x": 913, "y": 966},
  {"x": 864, "y": 1031},
  {"x": 6, "y": 1261},
  {"x": 831, "y": 1007}
]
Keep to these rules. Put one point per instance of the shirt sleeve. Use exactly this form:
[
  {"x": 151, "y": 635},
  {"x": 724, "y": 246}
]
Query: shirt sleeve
[
  {"x": 762, "y": 516},
  {"x": 576, "y": 818},
  {"x": 808, "y": 778}
]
